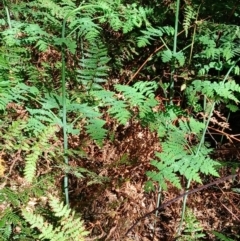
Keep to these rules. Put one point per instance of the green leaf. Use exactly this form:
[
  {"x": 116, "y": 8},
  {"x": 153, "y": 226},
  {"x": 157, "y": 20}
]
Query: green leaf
[{"x": 167, "y": 56}]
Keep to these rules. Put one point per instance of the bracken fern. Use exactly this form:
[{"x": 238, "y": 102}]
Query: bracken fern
[{"x": 69, "y": 227}]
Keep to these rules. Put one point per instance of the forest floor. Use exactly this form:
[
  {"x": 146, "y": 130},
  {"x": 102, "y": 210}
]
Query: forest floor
[{"x": 112, "y": 203}]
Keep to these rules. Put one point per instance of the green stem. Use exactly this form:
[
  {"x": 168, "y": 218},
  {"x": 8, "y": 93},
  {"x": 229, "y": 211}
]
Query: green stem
[
  {"x": 64, "y": 92},
  {"x": 171, "y": 87},
  {"x": 158, "y": 204},
  {"x": 8, "y": 15}
]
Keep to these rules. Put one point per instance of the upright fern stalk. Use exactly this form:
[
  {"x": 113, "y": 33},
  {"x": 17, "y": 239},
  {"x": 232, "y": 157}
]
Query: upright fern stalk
[
  {"x": 174, "y": 52},
  {"x": 64, "y": 117},
  {"x": 8, "y": 14},
  {"x": 64, "y": 93}
]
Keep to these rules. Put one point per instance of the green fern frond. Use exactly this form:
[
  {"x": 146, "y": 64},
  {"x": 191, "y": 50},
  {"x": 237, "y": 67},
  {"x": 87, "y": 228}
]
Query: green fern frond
[
  {"x": 8, "y": 219},
  {"x": 139, "y": 97},
  {"x": 165, "y": 173},
  {"x": 44, "y": 116},
  {"x": 189, "y": 14},
  {"x": 193, "y": 230},
  {"x": 179, "y": 154},
  {"x": 213, "y": 89},
  {"x": 222, "y": 237},
  {"x": 166, "y": 56},
  {"x": 95, "y": 129},
  {"x": 56, "y": 9},
  {"x": 147, "y": 88},
  {"x": 180, "y": 58},
  {"x": 85, "y": 110},
  {"x": 12, "y": 91},
  {"x": 87, "y": 29},
  {"x": 36, "y": 151},
  {"x": 69, "y": 227},
  {"x": 152, "y": 34},
  {"x": 8, "y": 195},
  {"x": 105, "y": 97},
  {"x": 93, "y": 67},
  {"x": 119, "y": 110}
]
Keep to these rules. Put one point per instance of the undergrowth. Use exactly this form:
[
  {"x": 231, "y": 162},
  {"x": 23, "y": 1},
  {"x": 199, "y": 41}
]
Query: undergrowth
[{"x": 56, "y": 83}]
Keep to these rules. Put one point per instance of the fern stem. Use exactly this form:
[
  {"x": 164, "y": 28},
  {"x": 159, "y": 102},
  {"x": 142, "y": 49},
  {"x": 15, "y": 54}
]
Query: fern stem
[
  {"x": 158, "y": 205},
  {"x": 8, "y": 15},
  {"x": 183, "y": 208},
  {"x": 171, "y": 87},
  {"x": 176, "y": 28},
  {"x": 64, "y": 117},
  {"x": 64, "y": 103}
]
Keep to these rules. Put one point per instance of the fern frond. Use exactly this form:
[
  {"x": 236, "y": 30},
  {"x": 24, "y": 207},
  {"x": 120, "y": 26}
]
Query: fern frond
[
  {"x": 180, "y": 58},
  {"x": 189, "y": 14},
  {"x": 138, "y": 96},
  {"x": 179, "y": 155},
  {"x": 165, "y": 173},
  {"x": 95, "y": 129},
  {"x": 69, "y": 227},
  {"x": 193, "y": 230},
  {"x": 222, "y": 237},
  {"x": 213, "y": 89},
  {"x": 8, "y": 219},
  {"x": 119, "y": 110},
  {"x": 153, "y": 33},
  {"x": 87, "y": 29},
  {"x": 56, "y": 9},
  {"x": 166, "y": 56},
  {"x": 93, "y": 67},
  {"x": 8, "y": 195},
  {"x": 36, "y": 151}
]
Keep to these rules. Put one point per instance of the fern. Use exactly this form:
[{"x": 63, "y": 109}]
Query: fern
[
  {"x": 224, "y": 91},
  {"x": 68, "y": 228},
  {"x": 8, "y": 219},
  {"x": 222, "y": 237},
  {"x": 93, "y": 67},
  {"x": 14, "y": 92},
  {"x": 12, "y": 225},
  {"x": 137, "y": 96},
  {"x": 57, "y": 10},
  {"x": 131, "y": 15},
  {"x": 86, "y": 28},
  {"x": 178, "y": 154},
  {"x": 96, "y": 130},
  {"x": 141, "y": 95},
  {"x": 36, "y": 151},
  {"x": 152, "y": 34},
  {"x": 193, "y": 229},
  {"x": 119, "y": 110},
  {"x": 189, "y": 14},
  {"x": 218, "y": 53},
  {"x": 10, "y": 196}
]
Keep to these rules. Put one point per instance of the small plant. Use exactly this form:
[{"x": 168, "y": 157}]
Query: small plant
[
  {"x": 192, "y": 230},
  {"x": 222, "y": 237}
]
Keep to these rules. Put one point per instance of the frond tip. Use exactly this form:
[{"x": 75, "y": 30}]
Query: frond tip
[{"x": 68, "y": 228}]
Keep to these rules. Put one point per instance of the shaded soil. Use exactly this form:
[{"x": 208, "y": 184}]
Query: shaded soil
[{"x": 112, "y": 205}]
